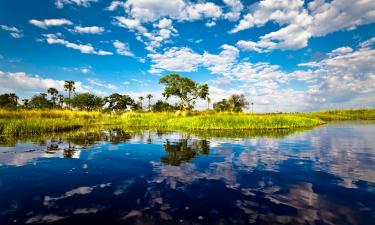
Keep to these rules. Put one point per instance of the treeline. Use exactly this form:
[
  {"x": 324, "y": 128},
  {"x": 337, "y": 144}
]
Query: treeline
[{"x": 183, "y": 88}]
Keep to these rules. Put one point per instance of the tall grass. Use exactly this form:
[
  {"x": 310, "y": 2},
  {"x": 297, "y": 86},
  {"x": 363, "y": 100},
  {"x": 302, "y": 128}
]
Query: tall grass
[
  {"x": 43, "y": 121},
  {"x": 219, "y": 121}
]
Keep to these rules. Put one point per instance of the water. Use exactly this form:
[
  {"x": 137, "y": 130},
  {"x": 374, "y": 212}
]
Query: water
[{"x": 321, "y": 176}]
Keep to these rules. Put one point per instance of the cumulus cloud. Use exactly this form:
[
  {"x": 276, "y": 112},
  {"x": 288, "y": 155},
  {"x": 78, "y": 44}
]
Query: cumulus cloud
[
  {"x": 122, "y": 48},
  {"x": 88, "y": 30},
  {"x": 83, "y": 48},
  {"x": 50, "y": 22},
  {"x": 26, "y": 84},
  {"x": 236, "y": 8},
  {"x": 299, "y": 24},
  {"x": 103, "y": 84},
  {"x": 138, "y": 13},
  {"x": 13, "y": 31},
  {"x": 175, "y": 59},
  {"x": 85, "y": 3},
  {"x": 345, "y": 78}
]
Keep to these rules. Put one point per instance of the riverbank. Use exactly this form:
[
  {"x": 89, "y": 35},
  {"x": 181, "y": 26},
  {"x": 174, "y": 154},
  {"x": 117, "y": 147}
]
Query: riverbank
[{"x": 44, "y": 121}]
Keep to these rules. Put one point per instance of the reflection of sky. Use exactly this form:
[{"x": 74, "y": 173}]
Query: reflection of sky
[{"x": 326, "y": 175}]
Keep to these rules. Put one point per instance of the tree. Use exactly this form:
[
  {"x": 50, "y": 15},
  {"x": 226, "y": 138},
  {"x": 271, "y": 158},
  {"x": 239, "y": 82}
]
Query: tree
[
  {"x": 161, "y": 106},
  {"x": 119, "y": 102},
  {"x": 9, "y": 101},
  {"x": 183, "y": 88},
  {"x": 238, "y": 102},
  {"x": 69, "y": 87},
  {"x": 60, "y": 99},
  {"x": 222, "y": 105},
  {"x": 86, "y": 101},
  {"x": 25, "y": 102},
  {"x": 141, "y": 102},
  {"x": 53, "y": 92},
  {"x": 149, "y": 96},
  {"x": 208, "y": 103},
  {"x": 40, "y": 101}
]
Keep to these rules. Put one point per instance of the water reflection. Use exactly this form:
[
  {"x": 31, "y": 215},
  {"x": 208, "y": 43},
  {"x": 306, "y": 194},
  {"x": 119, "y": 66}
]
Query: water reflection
[
  {"x": 112, "y": 176},
  {"x": 184, "y": 150}
]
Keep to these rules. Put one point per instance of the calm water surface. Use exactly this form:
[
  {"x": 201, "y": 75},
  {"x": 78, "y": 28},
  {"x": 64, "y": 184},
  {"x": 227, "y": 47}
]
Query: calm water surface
[{"x": 320, "y": 176}]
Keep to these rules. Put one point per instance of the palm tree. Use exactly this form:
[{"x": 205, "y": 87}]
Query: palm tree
[
  {"x": 69, "y": 86},
  {"x": 149, "y": 96},
  {"x": 208, "y": 103},
  {"x": 141, "y": 101},
  {"x": 53, "y": 92}
]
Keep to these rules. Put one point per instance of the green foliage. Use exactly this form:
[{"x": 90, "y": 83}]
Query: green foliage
[
  {"x": 235, "y": 103},
  {"x": 9, "y": 101},
  {"x": 222, "y": 106},
  {"x": 118, "y": 102},
  {"x": 162, "y": 106},
  {"x": 40, "y": 101},
  {"x": 87, "y": 101},
  {"x": 183, "y": 88}
]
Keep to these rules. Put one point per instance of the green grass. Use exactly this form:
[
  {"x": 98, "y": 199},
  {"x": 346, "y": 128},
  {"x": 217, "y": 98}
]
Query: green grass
[
  {"x": 43, "y": 121},
  {"x": 218, "y": 121}
]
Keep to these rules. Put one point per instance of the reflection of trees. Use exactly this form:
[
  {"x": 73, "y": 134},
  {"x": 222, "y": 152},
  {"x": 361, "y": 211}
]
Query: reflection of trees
[{"x": 184, "y": 151}]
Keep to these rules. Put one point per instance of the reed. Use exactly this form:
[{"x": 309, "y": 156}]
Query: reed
[{"x": 42, "y": 121}]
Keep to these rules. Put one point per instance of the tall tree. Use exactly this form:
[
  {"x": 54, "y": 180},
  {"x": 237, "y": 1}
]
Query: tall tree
[
  {"x": 8, "y": 100},
  {"x": 119, "y": 102},
  {"x": 149, "y": 96},
  {"x": 60, "y": 100},
  {"x": 238, "y": 102},
  {"x": 69, "y": 87},
  {"x": 141, "y": 102},
  {"x": 86, "y": 101},
  {"x": 183, "y": 88},
  {"x": 208, "y": 103},
  {"x": 53, "y": 92},
  {"x": 40, "y": 101}
]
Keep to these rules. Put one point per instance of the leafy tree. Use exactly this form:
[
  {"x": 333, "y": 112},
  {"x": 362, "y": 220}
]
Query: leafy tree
[
  {"x": 149, "y": 96},
  {"x": 25, "y": 103},
  {"x": 69, "y": 87},
  {"x": 60, "y": 100},
  {"x": 183, "y": 88},
  {"x": 8, "y": 100},
  {"x": 238, "y": 102},
  {"x": 222, "y": 105},
  {"x": 86, "y": 101},
  {"x": 161, "y": 106},
  {"x": 40, "y": 101},
  {"x": 119, "y": 102},
  {"x": 53, "y": 92}
]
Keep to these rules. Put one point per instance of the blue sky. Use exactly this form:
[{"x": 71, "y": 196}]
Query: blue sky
[{"x": 288, "y": 55}]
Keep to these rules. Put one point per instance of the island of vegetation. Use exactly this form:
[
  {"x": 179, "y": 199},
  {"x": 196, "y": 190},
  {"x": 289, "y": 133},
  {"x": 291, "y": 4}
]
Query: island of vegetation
[{"x": 53, "y": 112}]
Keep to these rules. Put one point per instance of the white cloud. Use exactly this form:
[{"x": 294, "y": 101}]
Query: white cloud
[
  {"x": 83, "y": 48},
  {"x": 122, "y": 48},
  {"x": 13, "y": 31},
  {"x": 100, "y": 83},
  {"x": 27, "y": 85},
  {"x": 88, "y": 30},
  {"x": 50, "y": 22},
  {"x": 300, "y": 24},
  {"x": 248, "y": 46},
  {"x": 175, "y": 59},
  {"x": 210, "y": 23},
  {"x": 236, "y": 8},
  {"x": 85, "y": 3}
]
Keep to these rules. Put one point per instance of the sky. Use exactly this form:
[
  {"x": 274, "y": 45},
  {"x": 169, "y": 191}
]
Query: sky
[{"x": 283, "y": 55}]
